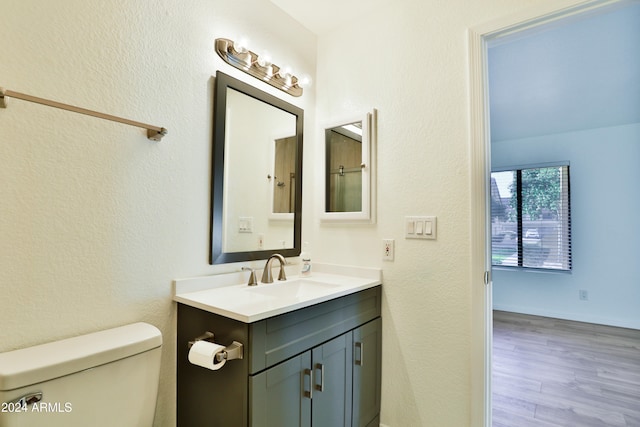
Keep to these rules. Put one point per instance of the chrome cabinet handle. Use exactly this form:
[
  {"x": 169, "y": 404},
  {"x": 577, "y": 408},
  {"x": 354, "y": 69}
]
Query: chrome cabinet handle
[
  {"x": 360, "y": 346},
  {"x": 320, "y": 387},
  {"x": 308, "y": 393}
]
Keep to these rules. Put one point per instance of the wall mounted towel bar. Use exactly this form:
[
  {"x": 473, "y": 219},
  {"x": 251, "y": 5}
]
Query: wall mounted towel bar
[{"x": 154, "y": 133}]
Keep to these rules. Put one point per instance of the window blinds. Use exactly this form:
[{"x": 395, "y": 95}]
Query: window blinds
[{"x": 531, "y": 218}]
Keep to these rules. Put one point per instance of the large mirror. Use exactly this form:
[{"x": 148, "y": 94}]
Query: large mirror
[
  {"x": 349, "y": 170},
  {"x": 256, "y": 199}
]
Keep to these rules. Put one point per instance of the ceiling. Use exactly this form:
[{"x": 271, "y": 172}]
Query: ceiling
[
  {"x": 322, "y": 16},
  {"x": 583, "y": 73}
]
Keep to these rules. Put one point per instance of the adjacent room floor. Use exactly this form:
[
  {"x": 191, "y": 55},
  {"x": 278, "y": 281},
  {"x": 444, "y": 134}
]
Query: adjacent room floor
[{"x": 549, "y": 373}]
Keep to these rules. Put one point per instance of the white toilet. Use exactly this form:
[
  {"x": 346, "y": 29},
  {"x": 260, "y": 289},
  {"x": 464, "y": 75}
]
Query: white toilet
[{"x": 107, "y": 378}]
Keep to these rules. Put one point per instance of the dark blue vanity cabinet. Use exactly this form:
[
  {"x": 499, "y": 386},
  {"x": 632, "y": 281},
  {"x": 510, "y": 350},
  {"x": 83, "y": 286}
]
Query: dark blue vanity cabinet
[{"x": 318, "y": 366}]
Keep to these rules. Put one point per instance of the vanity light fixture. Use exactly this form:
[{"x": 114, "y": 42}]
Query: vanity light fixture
[{"x": 260, "y": 67}]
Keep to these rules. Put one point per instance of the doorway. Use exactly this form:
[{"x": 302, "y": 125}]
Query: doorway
[{"x": 482, "y": 293}]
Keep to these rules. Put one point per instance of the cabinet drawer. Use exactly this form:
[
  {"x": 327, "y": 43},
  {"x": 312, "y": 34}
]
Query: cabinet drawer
[{"x": 281, "y": 337}]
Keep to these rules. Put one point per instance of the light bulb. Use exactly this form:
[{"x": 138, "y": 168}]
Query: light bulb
[
  {"x": 264, "y": 59},
  {"x": 264, "y": 65},
  {"x": 305, "y": 81},
  {"x": 286, "y": 74},
  {"x": 240, "y": 46}
]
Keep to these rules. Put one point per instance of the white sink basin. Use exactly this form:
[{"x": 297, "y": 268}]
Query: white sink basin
[
  {"x": 296, "y": 288},
  {"x": 229, "y": 295}
]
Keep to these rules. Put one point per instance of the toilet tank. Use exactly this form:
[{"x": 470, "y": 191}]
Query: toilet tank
[{"x": 107, "y": 378}]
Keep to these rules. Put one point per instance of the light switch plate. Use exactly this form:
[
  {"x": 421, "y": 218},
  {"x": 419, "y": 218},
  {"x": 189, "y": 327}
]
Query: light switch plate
[
  {"x": 245, "y": 224},
  {"x": 420, "y": 227}
]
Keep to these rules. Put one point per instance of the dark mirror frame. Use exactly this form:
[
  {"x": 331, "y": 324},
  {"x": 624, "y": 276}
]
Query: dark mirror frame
[{"x": 217, "y": 254}]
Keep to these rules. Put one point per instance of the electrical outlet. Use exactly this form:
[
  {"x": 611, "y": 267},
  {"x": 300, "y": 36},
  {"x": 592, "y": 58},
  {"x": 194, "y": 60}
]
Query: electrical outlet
[
  {"x": 583, "y": 295},
  {"x": 388, "y": 250}
]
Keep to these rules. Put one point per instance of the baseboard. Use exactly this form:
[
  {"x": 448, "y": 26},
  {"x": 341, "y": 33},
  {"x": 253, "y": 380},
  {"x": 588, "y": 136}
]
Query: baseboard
[{"x": 630, "y": 324}]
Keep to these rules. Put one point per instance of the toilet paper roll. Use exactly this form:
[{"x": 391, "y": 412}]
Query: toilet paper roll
[{"x": 203, "y": 353}]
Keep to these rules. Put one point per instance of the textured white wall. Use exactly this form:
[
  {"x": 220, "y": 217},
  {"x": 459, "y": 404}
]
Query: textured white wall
[
  {"x": 409, "y": 60},
  {"x": 96, "y": 220}
]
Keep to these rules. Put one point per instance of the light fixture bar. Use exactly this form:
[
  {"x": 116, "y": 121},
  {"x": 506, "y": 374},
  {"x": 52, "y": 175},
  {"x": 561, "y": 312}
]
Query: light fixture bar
[{"x": 248, "y": 62}]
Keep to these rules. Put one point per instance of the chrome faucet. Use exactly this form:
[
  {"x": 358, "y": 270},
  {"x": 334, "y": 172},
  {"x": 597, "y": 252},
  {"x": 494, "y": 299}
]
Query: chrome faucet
[{"x": 267, "y": 277}]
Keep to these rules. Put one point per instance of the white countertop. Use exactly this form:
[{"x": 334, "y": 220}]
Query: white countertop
[{"x": 228, "y": 294}]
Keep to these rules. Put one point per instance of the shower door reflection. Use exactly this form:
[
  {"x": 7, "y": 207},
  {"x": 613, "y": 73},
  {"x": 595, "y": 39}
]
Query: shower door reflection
[
  {"x": 344, "y": 168},
  {"x": 284, "y": 180}
]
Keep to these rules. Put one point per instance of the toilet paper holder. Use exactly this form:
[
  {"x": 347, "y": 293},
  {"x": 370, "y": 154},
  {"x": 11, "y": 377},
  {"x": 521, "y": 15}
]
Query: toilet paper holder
[{"x": 235, "y": 350}]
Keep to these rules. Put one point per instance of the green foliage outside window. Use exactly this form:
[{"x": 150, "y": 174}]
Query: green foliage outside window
[{"x": 540, "y": 193}]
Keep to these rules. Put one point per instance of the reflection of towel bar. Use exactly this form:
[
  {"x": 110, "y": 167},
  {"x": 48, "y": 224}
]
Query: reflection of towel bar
[
  {"x": 344, "y": 171},
  {"x": 235, "y": 350},
  {"x": 154, "y": 133}
]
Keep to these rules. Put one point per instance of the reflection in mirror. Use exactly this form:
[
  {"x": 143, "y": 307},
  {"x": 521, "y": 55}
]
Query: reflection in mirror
[
  {"x": 348, "y": 180},
  {"x": 250, "y": 126},
  {"x": 284, "y": 178},
  {"x": 257, "y": 159},
  {"x": 344, "y": 172}
]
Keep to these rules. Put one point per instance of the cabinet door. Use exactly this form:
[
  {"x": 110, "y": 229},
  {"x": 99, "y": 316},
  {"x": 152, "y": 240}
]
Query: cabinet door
[
  {"x": 280, "y": 396},
  {"x": 367, "y": 352},
  {"x": 332, "y": 383}
]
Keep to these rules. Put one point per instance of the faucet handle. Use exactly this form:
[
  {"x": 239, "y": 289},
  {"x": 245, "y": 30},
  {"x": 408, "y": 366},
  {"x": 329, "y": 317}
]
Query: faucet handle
[{"x": 252, "y": 277}]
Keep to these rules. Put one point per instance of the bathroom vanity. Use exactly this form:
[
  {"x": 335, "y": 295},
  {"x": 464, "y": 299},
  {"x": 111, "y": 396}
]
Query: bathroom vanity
[{"x": 311, "y": 353}]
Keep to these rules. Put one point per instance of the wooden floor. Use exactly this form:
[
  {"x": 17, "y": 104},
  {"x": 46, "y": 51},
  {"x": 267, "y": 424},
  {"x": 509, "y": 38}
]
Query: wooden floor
[{"x": 549, "y": 372}]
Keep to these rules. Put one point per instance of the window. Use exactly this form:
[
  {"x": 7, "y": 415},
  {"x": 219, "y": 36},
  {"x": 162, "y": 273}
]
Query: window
[{"x": 531, "y": 218}]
